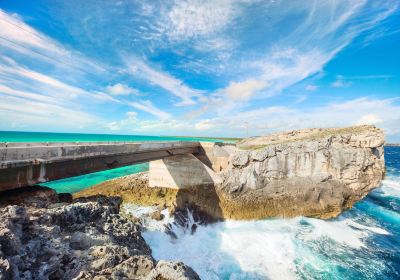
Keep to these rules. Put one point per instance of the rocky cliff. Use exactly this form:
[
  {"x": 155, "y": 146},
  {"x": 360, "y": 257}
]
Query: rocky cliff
[
  {"x": 313, "y": 172},
  {"x": 41, "y": 238}
]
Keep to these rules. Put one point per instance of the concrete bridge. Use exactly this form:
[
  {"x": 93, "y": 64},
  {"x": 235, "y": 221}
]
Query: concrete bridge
[{"x": 26, "y": 164}]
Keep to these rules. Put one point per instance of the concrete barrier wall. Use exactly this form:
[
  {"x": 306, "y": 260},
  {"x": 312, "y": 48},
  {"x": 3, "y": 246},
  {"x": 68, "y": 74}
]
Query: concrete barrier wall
[{"x": 34, "y": 151}]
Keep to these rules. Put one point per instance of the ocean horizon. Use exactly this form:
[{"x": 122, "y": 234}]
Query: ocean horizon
[{"x": 38, "y": 136}]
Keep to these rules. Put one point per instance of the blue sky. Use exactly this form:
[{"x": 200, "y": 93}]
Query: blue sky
[{"x": 205, "y": 68}]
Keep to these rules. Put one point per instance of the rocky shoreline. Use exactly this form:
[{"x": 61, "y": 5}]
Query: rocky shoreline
[{"x": 88, "y": 238}]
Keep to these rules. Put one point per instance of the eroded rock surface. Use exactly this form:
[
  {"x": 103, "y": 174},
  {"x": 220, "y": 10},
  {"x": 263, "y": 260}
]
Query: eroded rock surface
[
  {"x": 313, "y": 172},
  {"x": 87, "y": 239}
]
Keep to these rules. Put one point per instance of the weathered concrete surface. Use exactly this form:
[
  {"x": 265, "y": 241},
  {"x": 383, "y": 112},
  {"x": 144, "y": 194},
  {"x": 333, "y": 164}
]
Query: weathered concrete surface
[
  {"x": 215, "y": 154},
  {"x": 181, "y": 172},
  {"x": 24, "y": 164}
]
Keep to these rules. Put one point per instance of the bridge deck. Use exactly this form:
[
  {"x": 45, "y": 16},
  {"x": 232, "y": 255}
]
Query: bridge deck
[{"x": 25, "y": 164}]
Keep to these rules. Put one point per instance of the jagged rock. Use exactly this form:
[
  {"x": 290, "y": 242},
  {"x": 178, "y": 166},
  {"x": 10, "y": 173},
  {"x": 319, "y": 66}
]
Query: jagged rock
[
  {"x": 65, "y": 197},
  {"x": 87, "y": 239},
  {"x": 157, "y": 215},
  {"x": 173, "y": 270},
  {"x": 36, "y": 196},
  {"x": 312, "y": 172}
]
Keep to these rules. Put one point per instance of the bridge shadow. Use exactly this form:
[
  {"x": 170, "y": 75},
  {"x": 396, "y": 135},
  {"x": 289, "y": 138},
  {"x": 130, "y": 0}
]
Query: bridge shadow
[
  {"x": 196, "y": 185},
  {"x": 199, "y": 229}
]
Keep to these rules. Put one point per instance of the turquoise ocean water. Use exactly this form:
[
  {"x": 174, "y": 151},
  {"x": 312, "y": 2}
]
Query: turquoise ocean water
[
  {"x": 75, "y": 184},
  {"x": 362, "y": 243},
  {"x": 18, "y": 136}
]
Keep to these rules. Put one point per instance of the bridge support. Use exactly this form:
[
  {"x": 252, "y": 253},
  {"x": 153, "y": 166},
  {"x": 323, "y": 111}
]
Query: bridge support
[{"x": 181, "y": 172}]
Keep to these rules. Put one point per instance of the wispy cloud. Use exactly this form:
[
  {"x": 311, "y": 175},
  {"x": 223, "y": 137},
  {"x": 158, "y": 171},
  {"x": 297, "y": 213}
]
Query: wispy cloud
[
  {"x": 17, "y": 36},
  {"x": 140, "y": 69},
  {"x": 193, "y": 18},
  {"x": 346, "y": 81},
  {"x": 244, "y": 90},
  {"x": 21, "y": 77},
  {"x": 147, "y": 106},
  {"x": 311, "y": 87},
  {"x": 130, "y": 123},
  {"x": 341, "y": 82},
  {"x": 120, "y": 89},
  {"x": 26, "y": 114}
]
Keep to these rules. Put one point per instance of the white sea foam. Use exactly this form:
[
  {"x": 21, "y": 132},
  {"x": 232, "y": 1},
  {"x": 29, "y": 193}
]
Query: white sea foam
[
  {"x": 273, "y": 248},
  {"x": 144, "y": 212},
  {"x": 391, "y": 187},
  {"x": 343, "y": 231}
]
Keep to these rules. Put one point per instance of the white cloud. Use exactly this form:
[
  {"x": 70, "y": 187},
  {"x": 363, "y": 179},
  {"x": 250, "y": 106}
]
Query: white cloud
[
  {"x": 311, "y": 87},
  {"x": 21, "y": 77},
  {"x": 12, "y": 28},
  {"x": 127, "y": 124},
  {"x": 204, "y": 125},
  {"x": 17, "y": 36},
  {"x": 160, "y": 127},
  {"x": 147, "y": 106},
  {"x": 341, "y": 82},
  {"x": 194, "y": 18},
  {"x": 27, "y": 95},
  {"x": 369, "y": 119},
  {"x": 244, "y": 90},
  {"x": 35, "y": 115},
  {"x": 164, "y": 80},
  {"x": 120, "y": 89}
]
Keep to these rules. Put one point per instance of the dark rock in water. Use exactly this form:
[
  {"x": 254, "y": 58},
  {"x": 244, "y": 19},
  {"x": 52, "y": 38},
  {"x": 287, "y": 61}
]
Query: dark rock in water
[
  {"x": 36, "y": 196},
  {"x": 188, "y": 219},
  {"x": 65, "y": 197},
  {"x": 87, "y": 239},
  {"x": 157, "y": 215}
]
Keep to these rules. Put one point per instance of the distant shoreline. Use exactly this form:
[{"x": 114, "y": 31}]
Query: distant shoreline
[
  {"x": 211, "y": 138},
  {"x": 392, "y": 145}
]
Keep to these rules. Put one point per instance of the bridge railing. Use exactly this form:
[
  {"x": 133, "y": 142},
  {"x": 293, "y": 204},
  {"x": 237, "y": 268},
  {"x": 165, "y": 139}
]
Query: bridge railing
[{"x": 24, "y": 164}]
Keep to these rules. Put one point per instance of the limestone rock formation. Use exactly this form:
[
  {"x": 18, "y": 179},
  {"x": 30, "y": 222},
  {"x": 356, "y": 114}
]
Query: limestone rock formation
[
  {"x": 312, "y": 172},
  {"x": 87, "y": 239}
]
